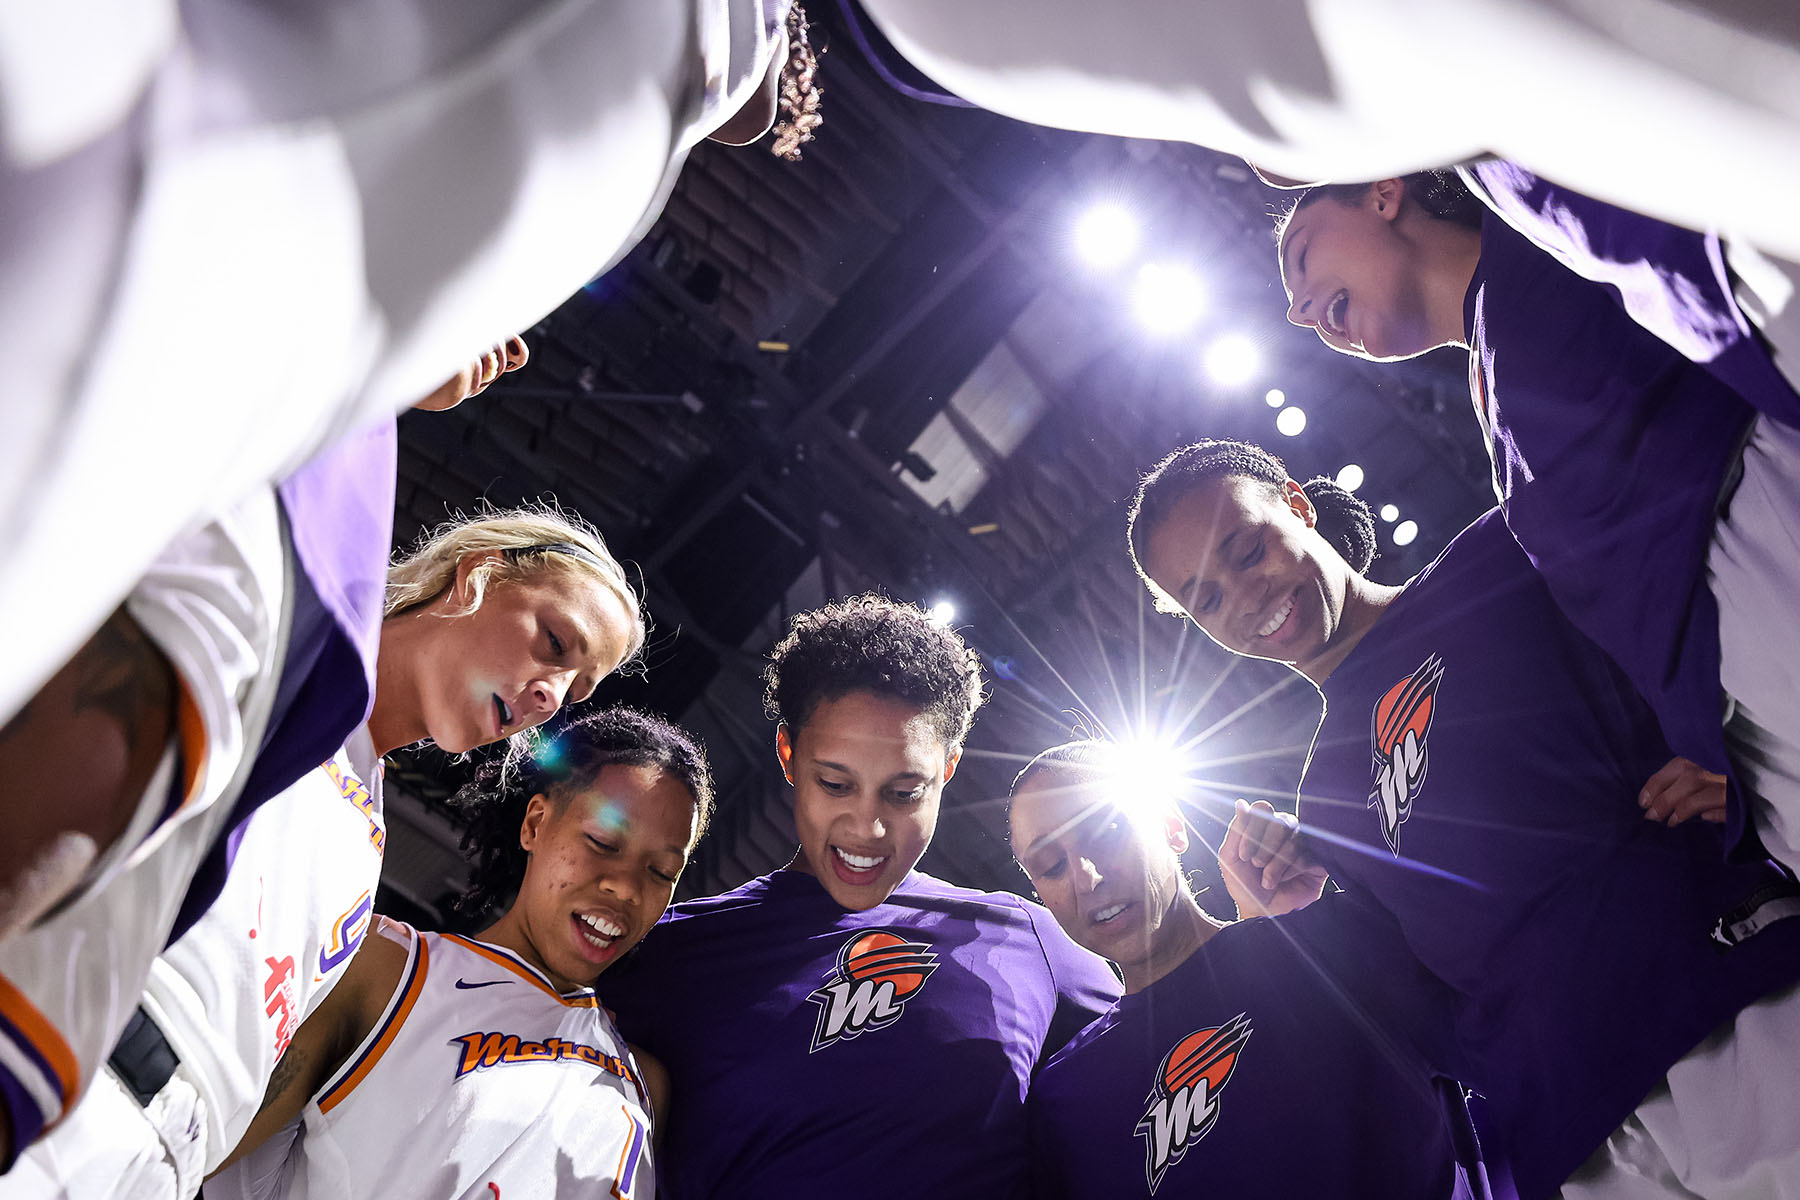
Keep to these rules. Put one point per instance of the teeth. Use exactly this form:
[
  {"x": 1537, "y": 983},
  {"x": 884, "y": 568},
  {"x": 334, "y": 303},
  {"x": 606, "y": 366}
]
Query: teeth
[
  {"x": 606, "y": 927},
  {"x": 1275, "y": 620},
  {"x": 858, "y": 862},
  {"x": 1108, "y": 913},
  {"x": 1335, "y": 312},
  {"x": 506, "y": 713}
]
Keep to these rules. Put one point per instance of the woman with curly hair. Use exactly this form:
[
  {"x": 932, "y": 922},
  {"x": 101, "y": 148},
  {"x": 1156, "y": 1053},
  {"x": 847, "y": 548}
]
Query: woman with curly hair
[
  {"x": 445, "y": 1065},
  {"x": 900, "y": 1018},
  {"x": 492, "y": 624}
]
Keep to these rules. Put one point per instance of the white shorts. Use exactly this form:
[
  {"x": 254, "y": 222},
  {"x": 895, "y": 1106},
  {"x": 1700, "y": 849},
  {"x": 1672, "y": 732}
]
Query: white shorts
[
  {"x": 1753, "y": 568},
  {"x": 1722, "y": 1126}
]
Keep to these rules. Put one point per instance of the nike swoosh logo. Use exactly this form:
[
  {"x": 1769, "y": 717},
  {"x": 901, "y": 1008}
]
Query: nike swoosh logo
[{"x": 463, "y": 983}]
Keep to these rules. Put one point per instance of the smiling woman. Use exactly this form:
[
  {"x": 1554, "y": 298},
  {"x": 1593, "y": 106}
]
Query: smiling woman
[
  {"x": 531, "y": 1084},
  {"x": 897, "y": 1012}
]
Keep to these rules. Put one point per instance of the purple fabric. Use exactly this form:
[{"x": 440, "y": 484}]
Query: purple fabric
[
  {"x": 1610, "y": 454},
  {"x": 339, "y": 513},
  {"x": 1671, "y": 281},
  {"x": 1476, "y": 775},
  {"x": 793, "y": 1079},
  {"x": 1339, "y": 1027},
  {"x": 25, "y": 1120}
]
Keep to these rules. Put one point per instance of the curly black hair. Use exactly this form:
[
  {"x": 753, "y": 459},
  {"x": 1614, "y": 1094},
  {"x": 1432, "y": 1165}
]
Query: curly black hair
[
  {"x": 1343, "y": 520},
  {"x": 800, "y": 91},
  {"x": 493, "y": 805},
  {"x": 1440, "y": 192},
  {"x": 870, "y": 643}
]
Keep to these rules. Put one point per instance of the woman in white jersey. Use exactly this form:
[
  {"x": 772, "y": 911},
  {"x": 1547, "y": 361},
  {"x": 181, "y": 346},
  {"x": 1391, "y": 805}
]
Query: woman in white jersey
[
  {"x": 448, "y": 1066},
  {"x": 516, "y": 613}
]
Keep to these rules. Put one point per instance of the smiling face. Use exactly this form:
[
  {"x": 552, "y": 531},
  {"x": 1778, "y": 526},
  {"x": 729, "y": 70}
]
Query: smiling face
[
  {"x": 603, "y": 865},
  {"x": 471, "y": 380},
  {"x": 1354, "y": 278},
  {"x": 1244, "y": 561},
  {"x": 530, "y": 647},
  {"x": 1112, "y": 879},
  {"x": 868, "y": 774}
]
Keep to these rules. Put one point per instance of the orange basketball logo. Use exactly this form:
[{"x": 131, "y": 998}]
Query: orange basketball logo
[
  {"x": 1400, "y": 726},
  {"x": 1184, "y": 1101},
  {"x": 877, "y": 972}
]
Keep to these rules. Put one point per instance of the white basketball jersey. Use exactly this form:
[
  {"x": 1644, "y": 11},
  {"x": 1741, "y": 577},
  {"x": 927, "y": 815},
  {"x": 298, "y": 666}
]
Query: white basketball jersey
[
  {"x": 299, "y": 900},
  {"x": 479, "y": 1081}
]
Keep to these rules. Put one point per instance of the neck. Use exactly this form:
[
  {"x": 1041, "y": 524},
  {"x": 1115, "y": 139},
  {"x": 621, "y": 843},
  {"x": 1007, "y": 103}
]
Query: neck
[
  {"x": 1364, "y": 602},
  {"x": 1450, "y": 253},
  {"x": 1184, "y": 929},
  {"x": 397, "y": 718},
  {"x": 509, "y": 932}
]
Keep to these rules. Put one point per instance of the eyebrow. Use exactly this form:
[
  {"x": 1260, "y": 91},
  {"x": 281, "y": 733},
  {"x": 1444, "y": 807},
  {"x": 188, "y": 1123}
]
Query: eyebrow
[
  {"x": 1287, "y": 252},
  {"x": 836, "y": 766}
]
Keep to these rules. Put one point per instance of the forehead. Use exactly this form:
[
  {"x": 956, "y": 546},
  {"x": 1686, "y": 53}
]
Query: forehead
[
  {"x": 645, "y": 801},
  {"x": 1053, "y": 803},
  {"x": 872, "y": 732},
  {"x": 578, "y": 596},
  {"x": 1196, "y": 522}
]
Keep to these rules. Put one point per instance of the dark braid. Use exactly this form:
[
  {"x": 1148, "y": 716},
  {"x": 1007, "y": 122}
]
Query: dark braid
[
  {"x": 1439, "y": 192},
  {"x": 559, "y": 766},
  {"x": 1343, "y": 520},
  {"x": 800, "y": 92}
]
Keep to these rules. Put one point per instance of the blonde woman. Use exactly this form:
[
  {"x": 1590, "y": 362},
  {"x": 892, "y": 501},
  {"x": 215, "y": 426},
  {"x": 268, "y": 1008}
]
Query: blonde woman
[{"x": 491, "y": 626}]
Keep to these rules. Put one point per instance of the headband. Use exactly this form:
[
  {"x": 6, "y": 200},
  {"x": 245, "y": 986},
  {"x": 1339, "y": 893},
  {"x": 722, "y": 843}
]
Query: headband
[{"x": 568, "y": 548}]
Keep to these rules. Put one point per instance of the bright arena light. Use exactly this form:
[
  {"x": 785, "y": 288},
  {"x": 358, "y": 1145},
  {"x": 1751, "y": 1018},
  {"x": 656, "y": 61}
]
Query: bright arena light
[
  {"x": 942, "y": 612},
  {"x": 1167, "y": 298},
  {"x": 1389, "y": 513},
  {"x": 1291, "y": 420},
  {"x": 1275, "y": 397},
  {"x": 1405, "y": 532},
  {"x": 1106, "y": 235},
  {"x": 1147, "y": 777},
  {"x": 1233, "y": 360},
  {"x": 1350, "y": 478}
]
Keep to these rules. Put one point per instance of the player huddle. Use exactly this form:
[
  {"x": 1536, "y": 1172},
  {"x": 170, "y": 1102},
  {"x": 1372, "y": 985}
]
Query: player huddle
[{"x": 1531, "y": 931}]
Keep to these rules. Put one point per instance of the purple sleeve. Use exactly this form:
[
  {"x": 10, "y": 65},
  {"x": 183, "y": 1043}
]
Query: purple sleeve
[
  {"x": 1084, "y": 982},
  {"x": 1670, "y": 280}
]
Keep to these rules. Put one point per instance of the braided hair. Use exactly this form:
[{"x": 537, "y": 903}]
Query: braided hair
[
  {"x": 800, "y": 92},
  {"x": 559, "y": 766},
  {"x": 1342, "y": 519}
]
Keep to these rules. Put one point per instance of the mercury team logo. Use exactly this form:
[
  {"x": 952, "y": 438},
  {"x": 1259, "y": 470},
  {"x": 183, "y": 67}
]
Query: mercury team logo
[
  {"x": 1184, "y": 1100},
  {"x": 1402, "y": 721},
  {"x": 877, "y": 972}
]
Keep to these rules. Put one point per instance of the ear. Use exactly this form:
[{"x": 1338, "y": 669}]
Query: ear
[
  {"x": 951, "y": 762},
  {"x": 784, "y": 751},
  {"x": 1297, "y": 500},
  {"x": 465, "y": 567},
  {"x": 1384, "y": 196},
  {"x": 531, "y": 829},
  {"x": 1175, "y": 830}
]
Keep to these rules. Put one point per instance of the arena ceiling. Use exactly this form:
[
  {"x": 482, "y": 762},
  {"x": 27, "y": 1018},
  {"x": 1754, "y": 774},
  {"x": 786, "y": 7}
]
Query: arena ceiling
[{"x": 888, "y": 366}]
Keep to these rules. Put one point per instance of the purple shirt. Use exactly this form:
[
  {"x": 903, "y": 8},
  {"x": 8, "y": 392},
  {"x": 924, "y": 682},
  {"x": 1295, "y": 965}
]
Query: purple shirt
[
  {"x": 1286, "y": 1057},
  {"x": 819, "y": 1052},
  {"x": 1476, "y": 775},
  {"x": 1672, "y": 281},
  {"x": 1610, "y": 454}
]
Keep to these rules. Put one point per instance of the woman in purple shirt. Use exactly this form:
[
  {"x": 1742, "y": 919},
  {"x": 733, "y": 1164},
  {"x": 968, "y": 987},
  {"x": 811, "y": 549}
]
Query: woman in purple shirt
[
  {"x": 1657, "y": 504},
  {"x": 1476, "y": 775}
]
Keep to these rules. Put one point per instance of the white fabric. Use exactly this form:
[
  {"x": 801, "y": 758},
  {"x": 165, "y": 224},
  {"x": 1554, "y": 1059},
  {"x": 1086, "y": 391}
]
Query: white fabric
[
  {"x": 1723, "y": 1126},
  {"x": 214, "y": 606},
  {"x": 1753, "y": 568},
  {"x": 298, "y": 901},
  {"x": 298, "y": 217},
  {"x": 428, "y": 1121},
  {"x": 113, "y": 1148},
  {"x": 1685, "y": 110},
  {"x": 1768, "y": 290}
]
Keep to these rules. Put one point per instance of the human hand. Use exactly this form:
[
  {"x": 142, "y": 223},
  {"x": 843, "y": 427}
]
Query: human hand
[
  {"x": 1266, "y": 867},
  {"x": 1683, "y": 789}
]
